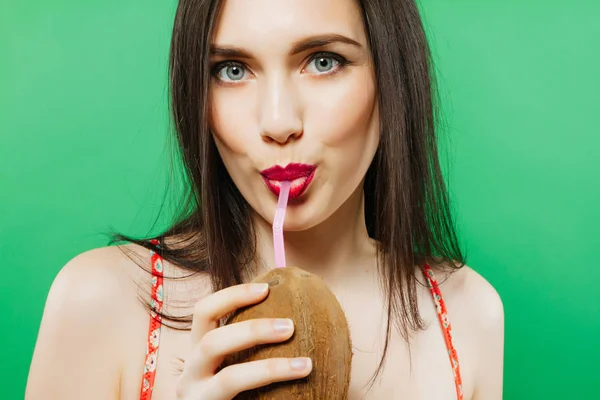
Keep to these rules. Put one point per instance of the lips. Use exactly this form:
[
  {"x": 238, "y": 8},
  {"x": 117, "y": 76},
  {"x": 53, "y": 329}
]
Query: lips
[{"x": 299, "y": 175}]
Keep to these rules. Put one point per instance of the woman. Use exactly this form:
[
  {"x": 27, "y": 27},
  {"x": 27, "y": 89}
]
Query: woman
[{"x": 335, "y": 96}]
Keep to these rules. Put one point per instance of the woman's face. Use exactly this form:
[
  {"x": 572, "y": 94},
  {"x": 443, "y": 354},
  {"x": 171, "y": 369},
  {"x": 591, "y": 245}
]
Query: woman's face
[{"x": 293, "y": 84}]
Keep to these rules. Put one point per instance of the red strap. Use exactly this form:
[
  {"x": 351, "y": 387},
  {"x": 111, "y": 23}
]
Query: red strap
[
  {"x": 156, "y": 303},
  {"x": 446, "y": 328}
]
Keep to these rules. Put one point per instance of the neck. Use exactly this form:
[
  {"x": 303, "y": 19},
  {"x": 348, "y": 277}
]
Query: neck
[{"x": 337, "y": 248}]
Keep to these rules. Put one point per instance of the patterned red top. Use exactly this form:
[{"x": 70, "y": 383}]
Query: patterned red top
[{"x": 156, "y": 303}]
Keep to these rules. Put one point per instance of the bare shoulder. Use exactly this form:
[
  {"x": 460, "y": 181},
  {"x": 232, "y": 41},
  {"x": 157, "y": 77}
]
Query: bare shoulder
[
  {"x": 474, "y": 295},
  {"x": 477, "y": 315},
  {"x": 99, "y": 279},
  {"x": 90, "y": 304}
]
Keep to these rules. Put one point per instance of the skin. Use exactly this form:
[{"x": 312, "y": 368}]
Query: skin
[{"x": 287, "y": 107}]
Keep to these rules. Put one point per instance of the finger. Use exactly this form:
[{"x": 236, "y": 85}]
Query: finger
[
  {"x": 218, "y": 343},
  {"x": 209, "y": 310},
  {"x": 232, "y": 380}
]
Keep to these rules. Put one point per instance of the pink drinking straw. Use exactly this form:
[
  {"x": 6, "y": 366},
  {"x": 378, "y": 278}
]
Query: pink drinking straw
[{"x": 278, "y": 224}]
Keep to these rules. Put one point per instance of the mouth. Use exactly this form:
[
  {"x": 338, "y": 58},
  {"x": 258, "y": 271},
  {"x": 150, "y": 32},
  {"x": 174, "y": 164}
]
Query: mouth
[{"x": 299, "y": 175}]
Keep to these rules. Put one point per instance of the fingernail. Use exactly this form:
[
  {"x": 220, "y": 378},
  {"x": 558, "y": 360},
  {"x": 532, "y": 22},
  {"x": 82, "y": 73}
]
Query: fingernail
[
  {"x": 259, "y": 287},
  {"x": 283, "y": 325},
  {"x": 301, "y": 363}
]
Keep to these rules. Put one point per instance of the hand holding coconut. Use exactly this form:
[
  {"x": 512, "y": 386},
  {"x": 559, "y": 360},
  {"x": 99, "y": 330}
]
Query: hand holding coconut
[
  {"x": 211, "y": 344},
  {"x": 246, "y": 351}
]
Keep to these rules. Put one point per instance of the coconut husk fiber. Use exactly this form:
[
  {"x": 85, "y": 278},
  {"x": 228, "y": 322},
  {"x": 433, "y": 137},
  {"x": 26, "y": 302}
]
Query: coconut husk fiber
[{"x": 320, "y": 332}]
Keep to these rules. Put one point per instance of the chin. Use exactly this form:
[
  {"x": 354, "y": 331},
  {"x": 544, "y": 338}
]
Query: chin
[
  {"x": 305, "y": 217},
  {"x": 301, "y": 214},
  {"x": 298, "y": 224}
]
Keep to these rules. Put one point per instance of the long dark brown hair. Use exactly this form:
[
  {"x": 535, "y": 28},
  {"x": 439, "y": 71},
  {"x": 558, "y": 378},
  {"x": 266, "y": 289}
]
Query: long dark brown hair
[{"x": 406, "y": 202}]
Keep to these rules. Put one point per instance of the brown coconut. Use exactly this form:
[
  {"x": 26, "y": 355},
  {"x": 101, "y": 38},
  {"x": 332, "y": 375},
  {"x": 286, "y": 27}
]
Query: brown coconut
[{"x": 320, "y": 332}]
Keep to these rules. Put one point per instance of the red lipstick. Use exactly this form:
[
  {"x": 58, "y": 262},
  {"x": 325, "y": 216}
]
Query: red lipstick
[{"x": 299, "y": 175}]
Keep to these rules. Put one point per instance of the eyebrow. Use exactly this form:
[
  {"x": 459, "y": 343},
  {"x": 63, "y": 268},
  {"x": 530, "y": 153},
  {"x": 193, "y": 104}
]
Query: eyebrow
[{"x": 298, "y": 47}]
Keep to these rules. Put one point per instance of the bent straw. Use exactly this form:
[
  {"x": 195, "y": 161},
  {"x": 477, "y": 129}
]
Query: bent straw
[{"x": 278, "y": 224}]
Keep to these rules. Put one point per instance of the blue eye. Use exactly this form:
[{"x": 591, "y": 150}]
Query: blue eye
[
  {"x": 324, "y": 63},
  {"x": 230, "y": 72}
]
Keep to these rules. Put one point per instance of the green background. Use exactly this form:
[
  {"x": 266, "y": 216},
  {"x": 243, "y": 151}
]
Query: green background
[{"x": 83, "y": 124}]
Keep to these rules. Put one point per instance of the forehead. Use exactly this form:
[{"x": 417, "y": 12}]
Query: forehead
[{"x": 277, "y": 23}]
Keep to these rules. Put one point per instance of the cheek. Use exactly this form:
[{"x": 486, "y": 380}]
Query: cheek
[
  {"x": 231, "y": 121},
  {"x": 343, "y": 113}
]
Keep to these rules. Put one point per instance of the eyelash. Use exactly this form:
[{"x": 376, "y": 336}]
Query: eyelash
[{"x": 342, "y": 63}]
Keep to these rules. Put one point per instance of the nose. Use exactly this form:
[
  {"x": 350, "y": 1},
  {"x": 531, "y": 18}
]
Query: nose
[{"x": 280, "y": 117}]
